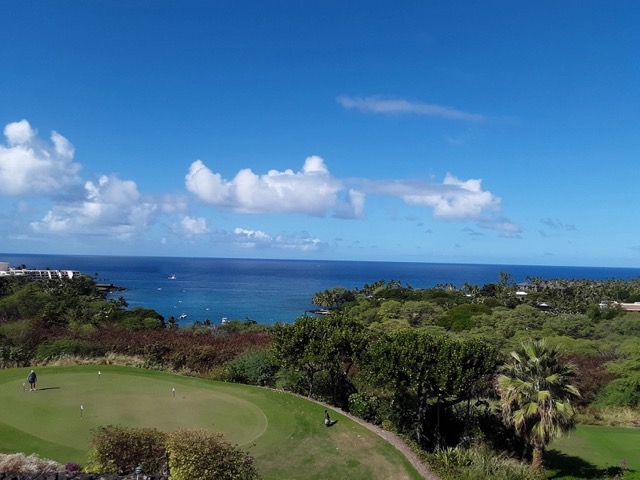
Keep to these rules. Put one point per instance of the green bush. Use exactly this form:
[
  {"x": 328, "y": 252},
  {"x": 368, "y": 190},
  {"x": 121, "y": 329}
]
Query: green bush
[
  {"x": 368, "y": 407},
  {"x": 621, "y": 392},
  {"x": 291, "y": 380},
  {"x": 460, "y": 317},
  {"x": 119, "y": 450},
  {"x": 12, "y": 356},
  {"x": 64, "y": 346},
  {"x": 254, "y": 367},
  {"x": 205, "y": 455}
]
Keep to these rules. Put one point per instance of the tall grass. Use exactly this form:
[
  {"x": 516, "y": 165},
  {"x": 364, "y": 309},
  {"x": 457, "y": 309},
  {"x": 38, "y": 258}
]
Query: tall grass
[
  {"x": 610, "y": 417},
  {"x": 480, "y": 463}
]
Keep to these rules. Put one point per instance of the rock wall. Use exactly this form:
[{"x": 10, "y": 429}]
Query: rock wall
[{"x": 77, "y": 476}]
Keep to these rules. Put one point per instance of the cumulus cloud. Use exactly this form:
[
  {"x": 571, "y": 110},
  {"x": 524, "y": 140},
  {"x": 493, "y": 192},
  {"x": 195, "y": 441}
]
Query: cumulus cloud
[
  {"x": 377, "y": 104},
  {"x": 303, "y": 242},
  {"x": 30, "y": 166},
  {"x": 191, "y": 226},
  {"x": 453, "y": 199},
  {"x": 110, "y": 207},
  {"x": 314, "y": 191},
  {"x": 311, "y": 191}
]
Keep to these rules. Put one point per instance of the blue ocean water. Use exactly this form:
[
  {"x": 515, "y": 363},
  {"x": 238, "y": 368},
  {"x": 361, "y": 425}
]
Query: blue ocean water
[{"x": 274, "y": 290}]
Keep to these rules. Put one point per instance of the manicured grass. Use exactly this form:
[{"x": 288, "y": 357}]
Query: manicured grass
[
  {"x": 284, "y": 433},
  {"x": 589, "y": 451}
]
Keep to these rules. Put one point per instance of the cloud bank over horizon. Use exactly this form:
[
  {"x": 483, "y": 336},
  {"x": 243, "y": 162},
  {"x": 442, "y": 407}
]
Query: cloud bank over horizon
[{"x": 106, "y": 205}]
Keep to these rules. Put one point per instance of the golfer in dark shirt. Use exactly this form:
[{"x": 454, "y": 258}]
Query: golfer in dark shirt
[{"x": 32, "y": 378}]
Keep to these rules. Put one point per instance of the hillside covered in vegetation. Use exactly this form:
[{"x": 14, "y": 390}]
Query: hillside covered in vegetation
[{"x": 498, "y": 370}]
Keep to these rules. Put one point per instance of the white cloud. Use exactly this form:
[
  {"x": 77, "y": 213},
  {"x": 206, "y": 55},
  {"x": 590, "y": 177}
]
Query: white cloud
[
  {"x": 311, "y": 191},
  {"x": 453, "y": 199},
  {"x": 353, "y": 207},
  {"x": 302, "y": 241},
  {"x": 192, "y": 226},
  {"x": 377, "y": 104},
  {"x": 19, "y": 133},
  {"x": 110, "y": 207},
  {"x": 29, "y": 166},
  {"x": 314, "y": 191}
]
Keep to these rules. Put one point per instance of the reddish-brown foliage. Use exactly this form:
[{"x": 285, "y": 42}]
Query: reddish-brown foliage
[
  {"x": 197, "y": 351},
  {"x": 592, "y": 375}
]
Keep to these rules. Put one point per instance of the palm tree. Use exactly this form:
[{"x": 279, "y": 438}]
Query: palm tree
[{"x": 535, "y": 395}]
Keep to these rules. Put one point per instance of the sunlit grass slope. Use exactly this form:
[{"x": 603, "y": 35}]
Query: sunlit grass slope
[
  {"x": 591, "y": 449},
  {"x": 284, "y": 433}
]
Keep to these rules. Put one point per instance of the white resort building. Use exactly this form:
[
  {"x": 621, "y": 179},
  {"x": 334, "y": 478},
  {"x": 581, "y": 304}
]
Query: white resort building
[{"x": 6, "y": 270}]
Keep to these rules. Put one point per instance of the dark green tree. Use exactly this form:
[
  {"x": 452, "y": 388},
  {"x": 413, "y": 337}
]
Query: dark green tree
[
  {"x": 426, "y": 373},
  {"x": 311, "y": 345},
  {"x": 333, "y": 298}
]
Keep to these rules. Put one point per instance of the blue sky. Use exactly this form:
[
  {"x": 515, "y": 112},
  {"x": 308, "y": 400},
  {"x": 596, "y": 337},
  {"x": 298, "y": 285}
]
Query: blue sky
[{"x": 469, "y": 132}]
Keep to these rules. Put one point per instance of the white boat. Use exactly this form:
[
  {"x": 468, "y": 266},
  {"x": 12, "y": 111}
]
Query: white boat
[
  {"x": 182, "y": 316},
  {"x": 172, "y": 277}
]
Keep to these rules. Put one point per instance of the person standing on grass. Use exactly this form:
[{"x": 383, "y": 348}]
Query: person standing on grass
[{"x": 32, "y": 379}]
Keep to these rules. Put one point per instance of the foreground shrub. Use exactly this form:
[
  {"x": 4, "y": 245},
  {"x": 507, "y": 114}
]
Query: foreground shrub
[
  {"x": 120, "y": 450},
  {"x": 21, "y": 463},
  {"x": 205, "y": 455}
]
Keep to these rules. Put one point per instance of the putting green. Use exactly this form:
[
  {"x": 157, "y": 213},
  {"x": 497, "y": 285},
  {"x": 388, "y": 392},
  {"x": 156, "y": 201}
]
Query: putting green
[
  {"x": 284, "y": 433},
  {"x": 68, "y": 405}
]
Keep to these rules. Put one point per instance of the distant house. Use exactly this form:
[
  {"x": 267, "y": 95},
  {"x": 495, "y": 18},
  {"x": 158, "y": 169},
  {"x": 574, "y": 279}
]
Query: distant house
[{"x": 545, "y": 307}]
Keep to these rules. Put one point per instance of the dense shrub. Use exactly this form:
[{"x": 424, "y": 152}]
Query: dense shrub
[
  {"x": 254, "y": 367},
  {"x": 176, "y": 349},
  {"x": 621, "y": 392},
  {"x": 118, "y": 449},
  {"x": 65, "y": 346},
  {"x": 12, "y": 356},
  {"x": 291, "y": 380},
  {"x": 368, "y": 407},
  {"x": 460, "y": 317},
  {"x": 204, "y": 455}
]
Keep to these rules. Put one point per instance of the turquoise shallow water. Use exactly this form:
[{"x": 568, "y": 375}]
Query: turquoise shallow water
[{"x": 273, "y": 290}]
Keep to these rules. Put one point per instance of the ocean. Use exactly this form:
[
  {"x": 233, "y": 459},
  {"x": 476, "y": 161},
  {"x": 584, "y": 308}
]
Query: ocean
[{"x": 268, "y": 291}]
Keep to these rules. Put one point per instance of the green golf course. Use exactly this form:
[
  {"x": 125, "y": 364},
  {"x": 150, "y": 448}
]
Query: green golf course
[
  {"x": 591, "y": 448},
  {"x": 284, "y": 433}
]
